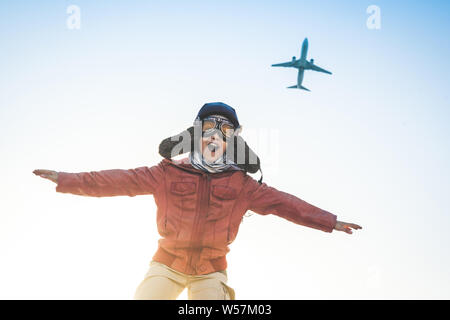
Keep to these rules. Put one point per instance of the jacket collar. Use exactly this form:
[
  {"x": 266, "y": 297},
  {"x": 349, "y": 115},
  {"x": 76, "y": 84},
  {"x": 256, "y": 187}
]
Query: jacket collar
[{"x": 185, "y": 164}]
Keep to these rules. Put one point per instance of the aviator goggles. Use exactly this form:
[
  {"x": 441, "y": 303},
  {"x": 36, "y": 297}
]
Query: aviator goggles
[{"x": 211, "y": 124}]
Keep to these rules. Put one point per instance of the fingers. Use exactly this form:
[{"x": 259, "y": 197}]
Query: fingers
[
  {"x": 46, "y": 174},
  {"x": 347, "y": 227},
  {"x": 351, "y": 225},
  {"x": 40, "y": 172}
]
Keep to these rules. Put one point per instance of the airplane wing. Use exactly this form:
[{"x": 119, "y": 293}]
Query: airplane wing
[
  {"x": 316, "y": 68},
  {"x": 284, "y": 64}
]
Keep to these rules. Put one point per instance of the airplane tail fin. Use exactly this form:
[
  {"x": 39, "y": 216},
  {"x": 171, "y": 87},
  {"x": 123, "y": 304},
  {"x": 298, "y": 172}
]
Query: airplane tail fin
[{"x": 301, "y": 87}]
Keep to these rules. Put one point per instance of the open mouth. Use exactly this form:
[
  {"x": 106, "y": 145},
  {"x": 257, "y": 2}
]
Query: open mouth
[{"x": 213, "y": 147}]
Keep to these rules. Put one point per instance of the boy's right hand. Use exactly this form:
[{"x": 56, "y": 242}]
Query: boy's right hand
[
  {"x": 47, "y": 174},
  {"x": 346, "y": 227}
]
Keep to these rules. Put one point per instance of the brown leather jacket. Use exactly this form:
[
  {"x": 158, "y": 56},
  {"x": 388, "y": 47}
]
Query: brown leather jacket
[{"x": 198, "y": 213}]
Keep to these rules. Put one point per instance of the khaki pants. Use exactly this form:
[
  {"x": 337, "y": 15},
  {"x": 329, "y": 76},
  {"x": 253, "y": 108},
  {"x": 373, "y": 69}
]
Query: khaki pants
[{"x": 164, "y": 283}]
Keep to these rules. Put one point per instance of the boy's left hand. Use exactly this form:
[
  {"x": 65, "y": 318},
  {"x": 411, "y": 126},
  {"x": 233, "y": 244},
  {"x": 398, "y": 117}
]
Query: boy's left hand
[{"x": 346, "y": 227}]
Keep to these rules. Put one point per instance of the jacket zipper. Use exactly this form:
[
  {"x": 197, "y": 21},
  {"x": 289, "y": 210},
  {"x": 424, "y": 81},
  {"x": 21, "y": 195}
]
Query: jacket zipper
[{"x": 204, "y": 202}]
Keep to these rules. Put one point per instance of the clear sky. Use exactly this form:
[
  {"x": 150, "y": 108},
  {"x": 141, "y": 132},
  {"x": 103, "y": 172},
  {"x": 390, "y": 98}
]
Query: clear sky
[{"x": 369, "y": 143}]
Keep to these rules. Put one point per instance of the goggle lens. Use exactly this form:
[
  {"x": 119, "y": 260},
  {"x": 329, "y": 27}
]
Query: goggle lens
[
  {"x": 208, "y": 124},
  {"x": 227, "y": 129}
]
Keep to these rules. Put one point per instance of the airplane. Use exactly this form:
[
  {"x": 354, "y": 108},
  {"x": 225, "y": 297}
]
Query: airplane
[{"x": 301, "y": 64}]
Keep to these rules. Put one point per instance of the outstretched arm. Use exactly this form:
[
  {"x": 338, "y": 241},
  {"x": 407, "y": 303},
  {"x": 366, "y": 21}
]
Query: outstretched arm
[
  {"x": 107, "y": 183},
  {"x": 264, "y": 199}
]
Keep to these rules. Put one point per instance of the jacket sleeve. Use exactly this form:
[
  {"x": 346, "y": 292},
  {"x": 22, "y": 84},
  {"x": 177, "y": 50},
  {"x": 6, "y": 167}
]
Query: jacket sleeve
[
  {"x": 109, "y": 183},
  {"x": 264, "y": 200}
]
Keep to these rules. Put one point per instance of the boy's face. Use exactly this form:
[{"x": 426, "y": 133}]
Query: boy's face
[
  {"x": 213, "y": 144},
  {"x": 213, "y": 147}
]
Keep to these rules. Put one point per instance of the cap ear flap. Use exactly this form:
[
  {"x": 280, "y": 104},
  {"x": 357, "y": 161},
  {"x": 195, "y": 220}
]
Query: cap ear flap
[
  {"x": 172, "y": 146},
  {"x": 244, "y": 157}
]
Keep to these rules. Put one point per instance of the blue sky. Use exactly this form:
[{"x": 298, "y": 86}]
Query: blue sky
[{"x": 369, "y": 143}]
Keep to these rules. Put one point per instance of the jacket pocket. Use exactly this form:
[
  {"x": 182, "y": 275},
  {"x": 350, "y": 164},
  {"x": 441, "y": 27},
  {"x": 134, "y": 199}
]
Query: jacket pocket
[
  {"x": 181, "y": 205},
  {"x": 229, "y": 292},
  {"x": 222, "y": 201},
  {"x": 224, "y": 192},
  {"x": 183, "y": 195},
  {"x": 181, "y": 188}
]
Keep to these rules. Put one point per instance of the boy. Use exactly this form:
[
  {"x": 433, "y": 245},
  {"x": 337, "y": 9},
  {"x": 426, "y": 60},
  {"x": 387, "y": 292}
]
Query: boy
[{"x": 201, "y": 200}]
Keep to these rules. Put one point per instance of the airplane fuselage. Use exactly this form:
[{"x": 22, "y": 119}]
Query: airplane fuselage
[
  {"x": 304, "y": 49},
  {"x": 301, "y": 64}
]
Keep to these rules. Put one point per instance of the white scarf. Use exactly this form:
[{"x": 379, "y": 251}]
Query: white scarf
[{"x": 220, "y": 165}]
